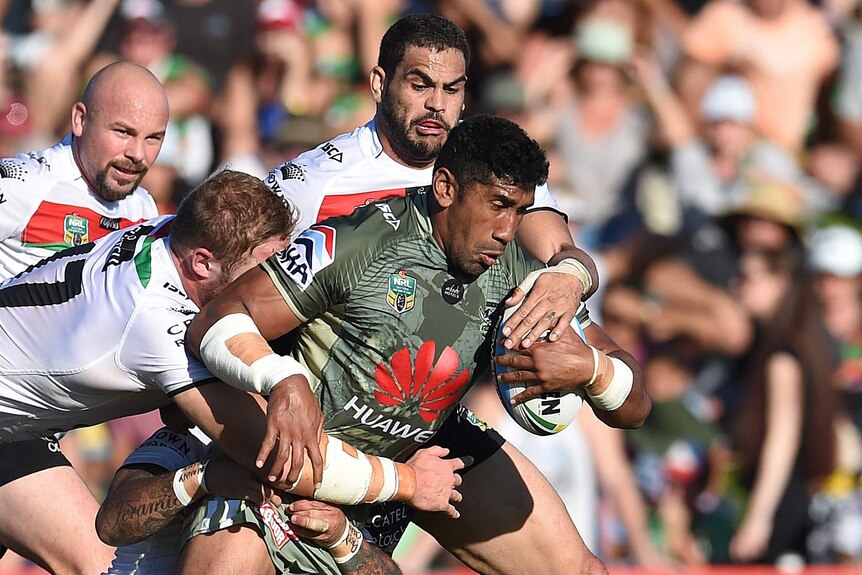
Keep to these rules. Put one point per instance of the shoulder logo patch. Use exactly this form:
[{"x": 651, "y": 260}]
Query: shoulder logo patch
[
  {"x": 402, "y": 292},
  {"x": 309, "y": 253},
  {"x": 388, "y": 215},
  {"x": 334, "y": 153}
]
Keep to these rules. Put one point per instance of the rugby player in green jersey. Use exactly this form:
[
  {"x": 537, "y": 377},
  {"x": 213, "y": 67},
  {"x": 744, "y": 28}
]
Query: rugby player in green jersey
[{"x": 393, "y": 308}]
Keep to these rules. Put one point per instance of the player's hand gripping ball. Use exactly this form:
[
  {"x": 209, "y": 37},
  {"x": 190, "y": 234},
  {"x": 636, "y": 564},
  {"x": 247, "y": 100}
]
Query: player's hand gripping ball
[{"x": 546, "y": 414}]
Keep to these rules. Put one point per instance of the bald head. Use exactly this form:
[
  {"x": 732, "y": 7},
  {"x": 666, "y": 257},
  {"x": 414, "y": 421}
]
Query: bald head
[{"x": 118, "y": 128}]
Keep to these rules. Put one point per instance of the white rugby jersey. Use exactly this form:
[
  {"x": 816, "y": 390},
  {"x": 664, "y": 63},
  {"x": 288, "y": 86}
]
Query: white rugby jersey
[
  {"x": 352, "y": 170},
  {"x": 156, "y": 555},
  {"x": 46, "y": 206},
  {"x": 94, "y": 333}
]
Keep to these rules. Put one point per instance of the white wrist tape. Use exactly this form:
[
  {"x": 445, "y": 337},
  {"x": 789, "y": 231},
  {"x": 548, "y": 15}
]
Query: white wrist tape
[
  {"x": 350, "y": 477},
  {"x": 343, "y": 537},
  {"x": 575, "y": 268},
  {"x": 234, "y": 351},
  {"x": 618, "y": 391},
  {"x": 568, "y": 266},
  {"x": 189, "y": 483},
  {"x": 348, "y": 545}
]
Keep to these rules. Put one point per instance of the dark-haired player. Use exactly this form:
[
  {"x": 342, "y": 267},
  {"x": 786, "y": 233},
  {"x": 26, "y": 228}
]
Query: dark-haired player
[{"x": 393, "y": 307}]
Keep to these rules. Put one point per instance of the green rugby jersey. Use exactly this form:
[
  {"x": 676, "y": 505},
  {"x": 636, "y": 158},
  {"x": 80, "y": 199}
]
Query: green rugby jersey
[{"x": 392, "y": 339}]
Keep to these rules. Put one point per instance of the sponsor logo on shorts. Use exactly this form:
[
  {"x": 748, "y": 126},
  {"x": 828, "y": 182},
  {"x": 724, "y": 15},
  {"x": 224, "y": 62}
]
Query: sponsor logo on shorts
[
  {"x": 426, "y": 385},
  {"x": 76, "y": 230},
  {"x": 402, "y": 292},
  {"x": 278, "y": 528},
  {"x": 312, "y": 251}
]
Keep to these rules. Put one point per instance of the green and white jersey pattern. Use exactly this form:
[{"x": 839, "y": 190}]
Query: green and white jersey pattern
[{"x": 392, "y": 339}]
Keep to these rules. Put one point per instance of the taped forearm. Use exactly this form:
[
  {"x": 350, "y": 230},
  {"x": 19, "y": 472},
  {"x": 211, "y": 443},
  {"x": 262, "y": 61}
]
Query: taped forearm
[
  {"x": 351, "y": 477},
  {"x": 234, "y": 351},
  {"x": 611, "y": 383}
]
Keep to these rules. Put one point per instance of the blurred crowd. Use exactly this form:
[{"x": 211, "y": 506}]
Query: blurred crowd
[{"x": 708, "y": 154}]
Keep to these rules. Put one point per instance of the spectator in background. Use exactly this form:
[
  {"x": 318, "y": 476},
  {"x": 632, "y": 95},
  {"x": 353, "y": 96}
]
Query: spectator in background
[
  {"x": 783, "y": 432},
  {"x": 711, "y": 174},
  {"x": 785, "y": 48},
  {"x": 835, "y": 257},
  {"x": 70, "y": 30},
  {"x": 600, "y": 132},
  {"x": 219, "y": 36}
]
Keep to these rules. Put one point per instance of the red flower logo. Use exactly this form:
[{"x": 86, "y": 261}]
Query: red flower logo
[{"x": 430, "y": 385}]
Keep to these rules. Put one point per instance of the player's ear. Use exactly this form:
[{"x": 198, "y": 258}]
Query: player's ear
[
  {"x": 376, "y": 81},
  {"x": 445, "y": 187},
  {"x": 201, "y": 262},
  {"x": 79, "y": 118}
]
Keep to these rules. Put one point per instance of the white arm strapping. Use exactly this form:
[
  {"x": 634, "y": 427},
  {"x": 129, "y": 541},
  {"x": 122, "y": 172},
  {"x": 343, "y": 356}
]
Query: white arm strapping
[
  {"x": 618, "y": 391},
  {"x": 348, "y": 476},
  {"x": 261, "y": 375},
  {"x": 569, "y": 266}
]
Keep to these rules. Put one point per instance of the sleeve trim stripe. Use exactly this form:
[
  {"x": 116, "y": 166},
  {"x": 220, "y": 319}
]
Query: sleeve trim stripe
[
  {"x": 192, "y": 385},
  {"x": 550, "y": 209}
]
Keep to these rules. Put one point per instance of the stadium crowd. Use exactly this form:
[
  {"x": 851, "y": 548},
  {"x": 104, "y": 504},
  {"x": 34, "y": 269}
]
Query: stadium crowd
[{"x": 708, "y": 155}]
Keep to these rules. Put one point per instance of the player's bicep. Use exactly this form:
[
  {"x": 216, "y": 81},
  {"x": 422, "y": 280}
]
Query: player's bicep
[{"x": 154, "y": 349}]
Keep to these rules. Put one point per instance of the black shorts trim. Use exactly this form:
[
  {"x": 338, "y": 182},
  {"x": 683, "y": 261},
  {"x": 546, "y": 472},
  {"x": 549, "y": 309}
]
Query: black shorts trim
[{"x": 22, "y": 458}]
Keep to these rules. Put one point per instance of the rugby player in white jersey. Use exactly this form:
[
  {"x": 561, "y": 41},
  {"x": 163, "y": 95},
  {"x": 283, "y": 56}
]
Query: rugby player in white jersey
[
  {"x": 111, "y": 320},
  {"x": 73, "y": 193},
  {"x": 87, "y": 185},
  {"x": 418, "y": 85}
]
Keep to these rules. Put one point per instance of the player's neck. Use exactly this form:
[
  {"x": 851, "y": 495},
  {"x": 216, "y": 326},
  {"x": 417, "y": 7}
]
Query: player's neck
[
  {"x": 75, "y": 156},
  {"x": 397, "y": 155},
  {"x": 191, "y": 283}
]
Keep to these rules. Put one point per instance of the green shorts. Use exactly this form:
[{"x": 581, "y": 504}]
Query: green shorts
[{"x": 290, "y": 554}]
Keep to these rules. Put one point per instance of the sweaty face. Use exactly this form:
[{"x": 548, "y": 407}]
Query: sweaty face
[
  {"x": 421, "y": 102},
  {"x": 118, "y": 139},
  {"x": 480, "y": 223}
]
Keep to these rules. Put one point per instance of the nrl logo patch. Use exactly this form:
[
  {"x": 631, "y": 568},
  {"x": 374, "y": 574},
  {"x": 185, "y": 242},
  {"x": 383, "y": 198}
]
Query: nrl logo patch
[
  {"x": 76, "y": 230},
  {"x": 402, "y": 292}
]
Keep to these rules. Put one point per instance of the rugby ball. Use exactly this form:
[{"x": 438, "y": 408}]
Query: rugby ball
[{"x": 546, "y": 414}]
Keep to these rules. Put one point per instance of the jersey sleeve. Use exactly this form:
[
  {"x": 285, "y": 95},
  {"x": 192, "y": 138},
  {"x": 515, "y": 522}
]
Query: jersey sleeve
[
  {"x": 23, "y": 184},
  {"x": 317, "y": 271},
  {"x": 290, "y": 182},
  {"x": 545, "y": 200},
  {"x": 168, "y": 449},
  {"x": 154, "y": 348}
]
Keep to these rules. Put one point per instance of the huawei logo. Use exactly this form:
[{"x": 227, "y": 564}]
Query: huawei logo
[{"x": 434, "y": 387}]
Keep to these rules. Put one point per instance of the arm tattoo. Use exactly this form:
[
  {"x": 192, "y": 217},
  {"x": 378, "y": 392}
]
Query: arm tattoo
[
  {"x": 138, "y": 505},
  {"x": 370, "y": 560}
]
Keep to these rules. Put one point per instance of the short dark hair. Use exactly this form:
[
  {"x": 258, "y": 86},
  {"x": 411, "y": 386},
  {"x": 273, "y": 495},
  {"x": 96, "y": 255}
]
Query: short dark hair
[
  {"x": 422, "y": 31},
  {"x": 230, "y": 214},
  {"x": 485, "y": 147}
]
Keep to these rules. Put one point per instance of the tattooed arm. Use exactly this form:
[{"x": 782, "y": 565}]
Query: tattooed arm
[
  {"x": 142, "y": 498},
  {"x": 327, "y": 525}
]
